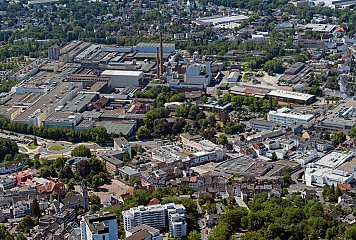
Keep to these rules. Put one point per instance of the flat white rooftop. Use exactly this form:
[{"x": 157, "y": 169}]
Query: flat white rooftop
[
  {"x": 290, "y": 95},
  {"x": 221, "y": 19},
  {"x": 290, "y": 115},
  {"x": 122, "y": 73},
  {"x": 320, "y": 27},
  {"x": 332, "y": 159}
]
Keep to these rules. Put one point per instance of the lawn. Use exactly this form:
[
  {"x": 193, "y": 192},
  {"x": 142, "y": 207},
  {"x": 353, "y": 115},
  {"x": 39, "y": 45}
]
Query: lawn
[
  {"x": 32, "y": 146},
  {"x": 55, "y": 148},
  {"x": 111, "y": 209}
]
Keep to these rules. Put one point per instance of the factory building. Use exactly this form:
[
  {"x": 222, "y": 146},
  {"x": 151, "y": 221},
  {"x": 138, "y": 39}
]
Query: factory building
[
  {"x": 123, "y": 78},
  {"x": 53, "y": 52},
  {"x": 289, "y": 96},
  {"x": 152, "y": 47}
]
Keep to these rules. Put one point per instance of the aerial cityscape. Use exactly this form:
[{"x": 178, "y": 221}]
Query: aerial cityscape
[{"x": 178, "y": 120}]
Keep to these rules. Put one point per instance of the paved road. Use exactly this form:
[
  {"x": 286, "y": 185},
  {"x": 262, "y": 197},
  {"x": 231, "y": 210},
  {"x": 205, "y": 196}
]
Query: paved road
[{"x": 201, "y": 222}]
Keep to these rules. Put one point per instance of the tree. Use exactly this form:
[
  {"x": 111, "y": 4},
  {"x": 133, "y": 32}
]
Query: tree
[
  {"x": 178, "y": 126},
  {"x": 35, "y": 208},
  {"x": 135, "y": 183},
  {"x": 71, "y": 184},
  {"x": 99, "y": 134},
  {"x": 220, "y": 232},
  {"x": 232, "y": 218},
  {"x": 350, "y": 233},
  {"x": 315, "y": 90},
  {"x": 66, "y": 172},
  {"x": 94, "y": 199},
  {"x": 8, "y": 158},
  {"x": 338, "y": 138},
  {"x": 4, "y": 233},
  {"x": 224, "y": 117},
  {"x": 45, "y": 171},
  {"x": 338, "y": 192},
  {"x": 126, "y": 158},
  {"x": 83, "y": 168},
  {"x": 153, "y": 115},
  {"x": 96, "y": 182},
  {"x": 81, "y": 151},
  {"x": 143, "y": 133},
  {"x": 222, "y": 139},
  {"x": 7, "y": 147},
  {"x": 162, "y": 127},
  {"x": 35, "y": 142},
  {"x": 273, "y": 66},
  {"x": 194, "y": 235},
  {"x": 53, "y": 196},
  {"x": 25, "y": 225},
  {"x": 274, "y": 157},
  {"x": 352, "y": 133},
  {"x": 20, "y": 236}
]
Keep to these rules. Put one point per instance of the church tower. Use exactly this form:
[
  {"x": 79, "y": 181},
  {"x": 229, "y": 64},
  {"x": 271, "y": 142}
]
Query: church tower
[{"x": 85, "y": 196}]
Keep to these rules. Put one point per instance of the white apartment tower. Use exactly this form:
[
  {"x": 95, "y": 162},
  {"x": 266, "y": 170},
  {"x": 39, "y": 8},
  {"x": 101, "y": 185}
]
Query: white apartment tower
[
  {"x": 99, "y": 228},
  {"x": 158, "y": 216}
]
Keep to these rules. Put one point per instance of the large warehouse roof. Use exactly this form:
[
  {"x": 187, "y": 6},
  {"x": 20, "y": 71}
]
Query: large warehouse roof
[
  {"x": 122, "y": 73},
  {"x": 290, "y": 95},
  {"x": 222, "y": 19}
]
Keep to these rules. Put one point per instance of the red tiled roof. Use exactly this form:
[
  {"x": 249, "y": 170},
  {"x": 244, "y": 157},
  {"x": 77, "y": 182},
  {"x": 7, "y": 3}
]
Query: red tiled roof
[
  {"x": 344, "y": 186},
  {"x": 254, "y": 91},
  {"x": 153, "y": 201},
  {"x": 193, "y": 179},
  {"x": 52, "y": 186}
]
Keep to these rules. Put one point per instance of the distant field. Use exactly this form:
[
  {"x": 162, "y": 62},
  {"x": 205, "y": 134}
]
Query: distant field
[{"x": 55, "y": 148}]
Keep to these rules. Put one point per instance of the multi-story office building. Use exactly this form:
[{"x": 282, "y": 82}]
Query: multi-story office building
[
  {"x": 158, "y": 216},
  {"x": 99, "y": 227},
  {"x": 285, "y": 117}
]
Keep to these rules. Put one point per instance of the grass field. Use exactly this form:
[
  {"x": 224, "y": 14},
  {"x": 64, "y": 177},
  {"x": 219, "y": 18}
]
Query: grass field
[
  {"x": 32, "y": 146},
  {"x": 54, "y": 148}
]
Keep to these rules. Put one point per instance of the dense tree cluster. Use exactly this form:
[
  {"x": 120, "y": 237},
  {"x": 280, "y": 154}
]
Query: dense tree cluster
[
  {"x": 273, "y": 66},
  {"x": 4, "y": 233},
  {"x": 331, "y": 194},
  {"x": 275, "y": 218},
  {"x": 162, "y": 94},
  {"x": 188, "y": 112},
  {"x": 97, "y": 134},
  {"x": 92, "y": 171},
  {"x": 247, "y": 103},
  {"x": 8, "y": 149},
  {"x": 155, "y": 114},
  {"x": 352, "y": 133},
  {"x": 337, "y": 138},
  {"x": 26, "y": 224}
]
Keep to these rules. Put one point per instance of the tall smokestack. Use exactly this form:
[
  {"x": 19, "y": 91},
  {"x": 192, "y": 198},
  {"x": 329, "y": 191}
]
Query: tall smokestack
[
  {"x": 161, "y": 52},
  {"x": 158, "y": 62}
]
